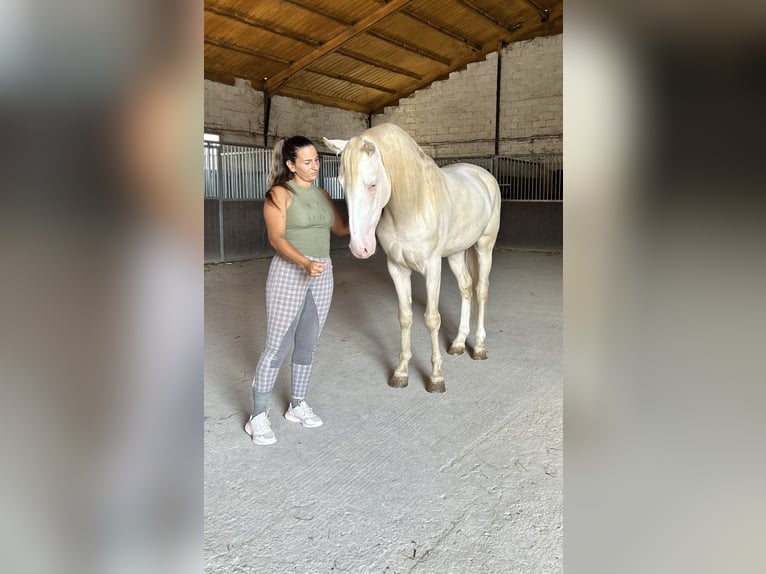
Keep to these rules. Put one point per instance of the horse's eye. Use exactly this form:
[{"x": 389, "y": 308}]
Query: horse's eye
[{"x": 371, "y": 188}]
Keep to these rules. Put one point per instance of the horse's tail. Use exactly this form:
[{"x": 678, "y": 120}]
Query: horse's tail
[{"x": 472, "y": 264}]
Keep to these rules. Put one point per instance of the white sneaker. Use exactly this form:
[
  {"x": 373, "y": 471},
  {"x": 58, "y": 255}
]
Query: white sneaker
[
  {"x": 303, "y": 414},
  {"x": 259, "y": 429}
]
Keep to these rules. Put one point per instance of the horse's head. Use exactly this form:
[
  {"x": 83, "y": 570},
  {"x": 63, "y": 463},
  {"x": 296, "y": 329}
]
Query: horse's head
[{"x": 366, "y": 187}]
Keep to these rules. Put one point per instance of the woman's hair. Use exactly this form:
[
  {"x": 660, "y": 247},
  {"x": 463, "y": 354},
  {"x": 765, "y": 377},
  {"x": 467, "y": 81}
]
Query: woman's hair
[{"x": 285, "y": 150}]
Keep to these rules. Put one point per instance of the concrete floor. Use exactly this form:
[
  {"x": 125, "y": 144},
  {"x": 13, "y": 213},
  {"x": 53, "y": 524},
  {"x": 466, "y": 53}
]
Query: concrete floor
[{"x": 397, "y": 480}]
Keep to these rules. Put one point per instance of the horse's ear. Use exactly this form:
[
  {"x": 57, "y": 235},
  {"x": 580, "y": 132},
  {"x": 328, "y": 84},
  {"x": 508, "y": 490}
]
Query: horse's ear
[
  {"x": 368, "y": 146},
  {"x": 335, "y": 145}
]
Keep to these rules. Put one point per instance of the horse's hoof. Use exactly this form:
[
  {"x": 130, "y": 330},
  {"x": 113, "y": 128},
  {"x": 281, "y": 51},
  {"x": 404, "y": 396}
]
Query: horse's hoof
[
  {"x": 456, "y": 350},
  {"x": 479, "y": 355},
  {"x": 398, "y": 381},
  {"x": 435, "y": 387}
]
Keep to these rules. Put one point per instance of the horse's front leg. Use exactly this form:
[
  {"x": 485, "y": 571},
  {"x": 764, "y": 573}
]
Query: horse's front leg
[
  {"x": 433, "y": 275},
  {"x": 402, "y": 281}
]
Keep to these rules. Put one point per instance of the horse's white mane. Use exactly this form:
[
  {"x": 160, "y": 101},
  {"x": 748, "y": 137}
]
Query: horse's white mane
[{"x": 414, "y": 176}]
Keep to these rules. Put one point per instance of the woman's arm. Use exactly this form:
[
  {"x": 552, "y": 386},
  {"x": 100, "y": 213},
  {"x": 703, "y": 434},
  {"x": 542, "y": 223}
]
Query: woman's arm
[{"x": 339, "y": 226}]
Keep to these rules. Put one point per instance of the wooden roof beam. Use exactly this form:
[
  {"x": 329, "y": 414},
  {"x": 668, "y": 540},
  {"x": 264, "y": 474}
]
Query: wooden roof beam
[
  {"x": 226, "y": 76},
  {"x": 545, "y": 14},
  {"x": 378, "y": 64},
  {"x": 410, "y": 48},
  {"x": 249, "y": 52},
  {"x": 443, "y": 30},
  {"x": 220, "y": 76},
  {"x": 230, "y": 77},
  {"x": 276, "y": 82},
  {"x": 224, "y": 45},
  {"x": 471, "y": 6},
  {"x": 245, "y": 19},
  {"x": 348, "y": 53},
  {"x": 355, "y": 81},
  {"x": 326, "y": 13},
  {"x": 331, "y": 101}
]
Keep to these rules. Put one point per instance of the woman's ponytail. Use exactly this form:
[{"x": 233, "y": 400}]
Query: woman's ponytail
[{"x": 279, "y": 172}]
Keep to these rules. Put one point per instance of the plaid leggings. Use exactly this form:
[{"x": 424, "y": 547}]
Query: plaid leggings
[{"x": 296, "y": 308}]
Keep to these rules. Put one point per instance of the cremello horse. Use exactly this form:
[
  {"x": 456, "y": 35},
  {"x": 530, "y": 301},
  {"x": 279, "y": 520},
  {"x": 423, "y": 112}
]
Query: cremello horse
[{"x": 421, "y": 213}]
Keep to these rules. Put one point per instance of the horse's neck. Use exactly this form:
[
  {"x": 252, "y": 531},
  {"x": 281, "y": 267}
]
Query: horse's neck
[
  {"x": 417, "y": 185},
  {"x": 412, "y": 211},
  {"x": 416, "y": 197}
]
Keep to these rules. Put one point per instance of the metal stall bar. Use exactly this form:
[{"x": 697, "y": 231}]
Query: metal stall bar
[
  {"x": 246, "y": 171},
  {"x": 328, "y": 175},
  {"x": 529, "y": 178},
  {"x": 212, "y": 170}
]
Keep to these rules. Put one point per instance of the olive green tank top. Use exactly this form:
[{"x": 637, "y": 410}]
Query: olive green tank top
[{"x": 309, "y": 219}]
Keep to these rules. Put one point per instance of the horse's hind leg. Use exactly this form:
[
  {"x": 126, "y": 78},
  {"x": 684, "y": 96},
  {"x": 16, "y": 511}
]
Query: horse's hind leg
[
  {"x": 464, "y": 282},
  {"x": 484, "y": 255}
]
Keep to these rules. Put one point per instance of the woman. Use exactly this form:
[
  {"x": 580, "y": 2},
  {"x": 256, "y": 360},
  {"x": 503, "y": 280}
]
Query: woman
[{"x": 299, "y": 218}]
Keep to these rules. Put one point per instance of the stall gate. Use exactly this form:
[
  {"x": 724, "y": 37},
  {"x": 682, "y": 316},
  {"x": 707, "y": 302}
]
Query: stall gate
[{"x": 241, "y": 172}]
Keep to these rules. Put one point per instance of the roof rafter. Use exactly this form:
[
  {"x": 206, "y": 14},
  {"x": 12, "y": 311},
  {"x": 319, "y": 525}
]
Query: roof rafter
[
  {"x": 352, "y": 80},
  {"x": 324, "y": 13},
  {"x": 276, "y": 82},
  {"x": 378, "y": 64},
  {"x": 250, "y": 52},
  {"x": 220, "y": 76},
  {"x": 545, "y": 14},
  {"x": 223, "y": 44},
  {"x": 245, "y": 19},
  {"x": 231, "y": 76},
  {"x": 471, "y": 6},
  {"x": 410, "y": 48},
  {"x": 442, "y": 29},
  {"x": 324, "y": 100}
]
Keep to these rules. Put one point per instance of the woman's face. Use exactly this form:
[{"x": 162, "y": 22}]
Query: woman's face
[{"x": 306, "y": 165}]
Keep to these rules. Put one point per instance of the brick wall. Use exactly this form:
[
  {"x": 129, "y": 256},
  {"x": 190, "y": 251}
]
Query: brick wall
[
  {"x": 456, "y": 116},
  {"x": 237, "y": 113},
  {"x": 290, "y": 116},
  {"x": 452, "y": 117},
  {"x": 531, "y": 108}
]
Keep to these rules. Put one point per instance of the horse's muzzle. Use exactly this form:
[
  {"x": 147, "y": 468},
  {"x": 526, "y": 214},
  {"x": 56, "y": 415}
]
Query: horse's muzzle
[
  {"x": 363, "y": 245},
  {"x": 360, "y": 251}
]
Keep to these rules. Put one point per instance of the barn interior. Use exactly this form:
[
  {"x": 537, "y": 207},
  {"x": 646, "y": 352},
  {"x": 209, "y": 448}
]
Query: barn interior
[{"x": 396, "y": 480}]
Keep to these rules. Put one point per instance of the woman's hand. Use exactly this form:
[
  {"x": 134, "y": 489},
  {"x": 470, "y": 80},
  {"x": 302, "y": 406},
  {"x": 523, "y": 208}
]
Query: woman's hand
[{"x": 315, "y": 268}]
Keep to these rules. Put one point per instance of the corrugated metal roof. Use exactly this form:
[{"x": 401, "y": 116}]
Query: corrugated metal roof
[{"x": 362, "y": 55}]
